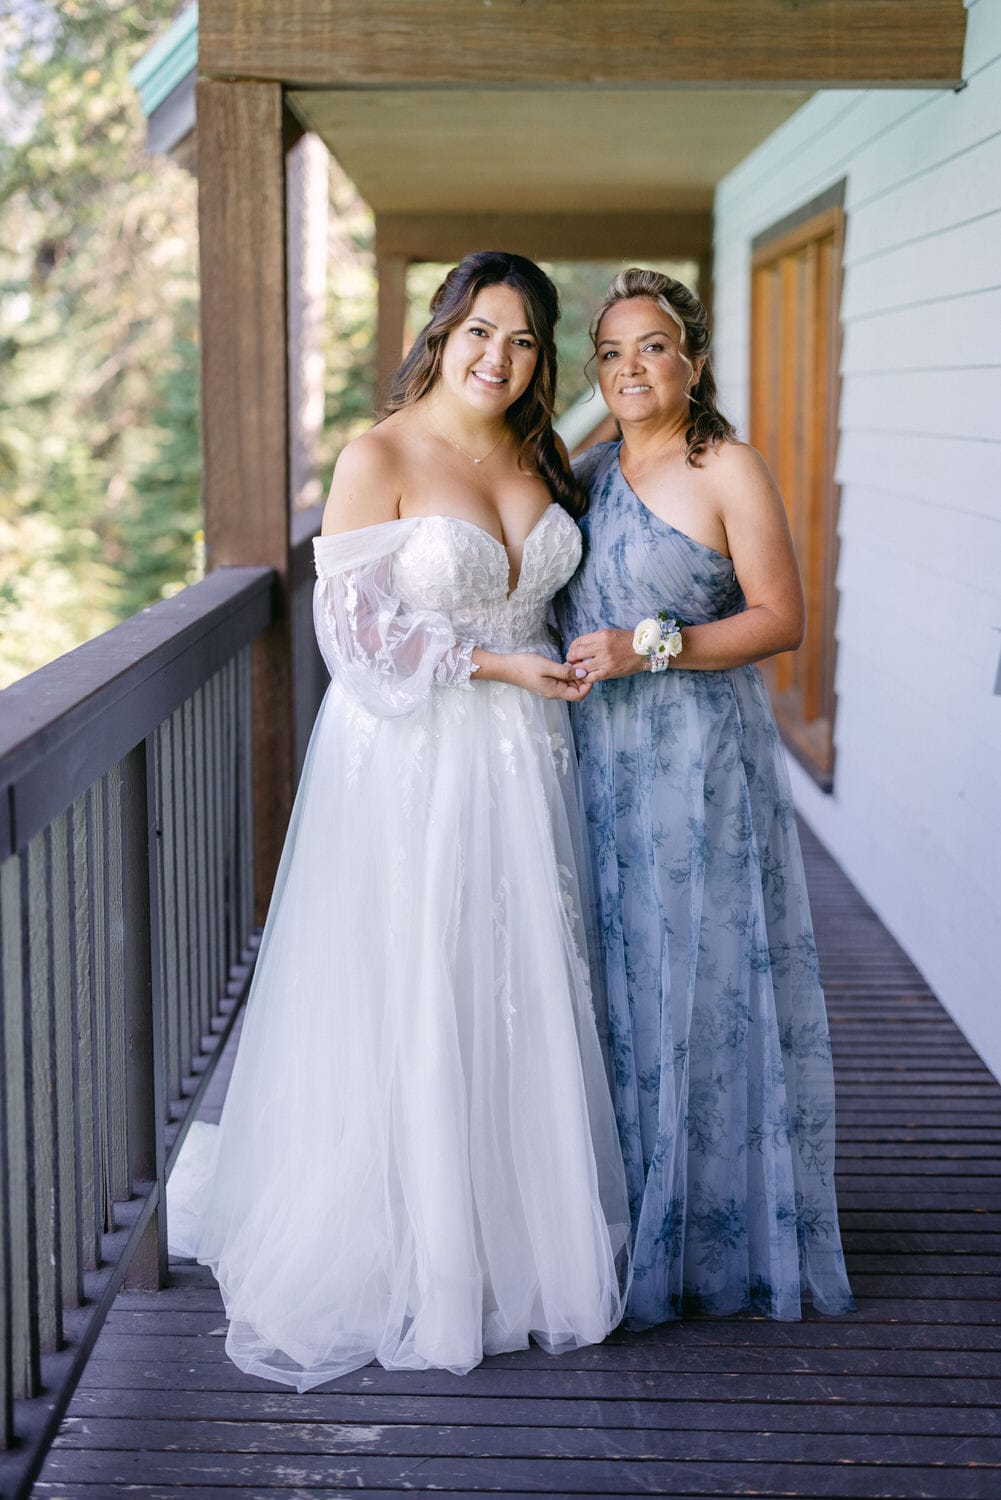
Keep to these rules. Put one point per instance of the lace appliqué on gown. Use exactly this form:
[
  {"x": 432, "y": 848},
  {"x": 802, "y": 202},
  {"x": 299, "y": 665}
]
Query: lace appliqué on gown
[{"x": 418, "y": 1160}]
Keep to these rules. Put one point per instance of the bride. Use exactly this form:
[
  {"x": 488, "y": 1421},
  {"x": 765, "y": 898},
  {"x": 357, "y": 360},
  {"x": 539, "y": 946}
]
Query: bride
[{"x": 417, "y": 1161}]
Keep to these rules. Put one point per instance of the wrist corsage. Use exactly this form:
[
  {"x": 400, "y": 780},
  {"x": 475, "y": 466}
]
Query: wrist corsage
[{"x": 658, "y": 640}]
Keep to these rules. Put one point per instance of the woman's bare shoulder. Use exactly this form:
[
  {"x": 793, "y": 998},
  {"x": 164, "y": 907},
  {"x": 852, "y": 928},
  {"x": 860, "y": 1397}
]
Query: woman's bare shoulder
[
  {"x": 734, "y": 458},
  {"x": 737, "y": 474},
  {"x": 368, "y": 481}
]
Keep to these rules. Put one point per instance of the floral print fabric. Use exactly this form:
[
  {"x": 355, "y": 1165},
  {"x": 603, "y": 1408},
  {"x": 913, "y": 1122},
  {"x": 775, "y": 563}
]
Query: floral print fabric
[{"x": 717, "y": 1034}]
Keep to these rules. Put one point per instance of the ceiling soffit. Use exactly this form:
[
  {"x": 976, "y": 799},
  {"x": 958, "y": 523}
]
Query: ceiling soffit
[{"x": 543, "y": 150}]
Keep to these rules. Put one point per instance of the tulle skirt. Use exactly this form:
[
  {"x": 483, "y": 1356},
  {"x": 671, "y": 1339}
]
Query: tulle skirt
[{"x": 417, "y": 1160}]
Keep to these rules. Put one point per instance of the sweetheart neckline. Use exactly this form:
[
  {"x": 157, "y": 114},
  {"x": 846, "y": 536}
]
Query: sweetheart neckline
[{"x": 474, "y": 526}]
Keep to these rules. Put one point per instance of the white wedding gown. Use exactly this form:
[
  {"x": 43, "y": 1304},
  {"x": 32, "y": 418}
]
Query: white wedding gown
[{"x": 417, "y": 1160}]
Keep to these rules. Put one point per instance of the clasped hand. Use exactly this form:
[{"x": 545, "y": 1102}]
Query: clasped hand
[
  {"x": 605, "y": 653},
  {"x": 549, "y": 679}
]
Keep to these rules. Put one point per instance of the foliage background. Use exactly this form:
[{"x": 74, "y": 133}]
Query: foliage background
[
  {"x": 100, "y": 494},
  {"x": 100, "y": 487},
  {"x": 98, "y": 319}
]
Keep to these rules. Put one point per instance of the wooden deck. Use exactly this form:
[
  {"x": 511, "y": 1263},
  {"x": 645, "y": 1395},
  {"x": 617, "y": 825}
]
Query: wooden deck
[{"x": 903, "y": 1399}]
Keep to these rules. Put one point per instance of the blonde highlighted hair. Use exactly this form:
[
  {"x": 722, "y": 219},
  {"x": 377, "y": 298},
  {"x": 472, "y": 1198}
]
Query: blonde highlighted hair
[{"x": 708, "y": 426}]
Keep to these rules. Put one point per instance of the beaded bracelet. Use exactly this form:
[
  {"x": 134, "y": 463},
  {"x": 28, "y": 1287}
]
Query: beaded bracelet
[{"x": 658, "y": 639}]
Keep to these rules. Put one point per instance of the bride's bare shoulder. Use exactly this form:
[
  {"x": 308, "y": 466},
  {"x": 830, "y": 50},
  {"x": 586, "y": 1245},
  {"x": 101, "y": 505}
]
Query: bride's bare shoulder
[{"x": 367, "y": 482}]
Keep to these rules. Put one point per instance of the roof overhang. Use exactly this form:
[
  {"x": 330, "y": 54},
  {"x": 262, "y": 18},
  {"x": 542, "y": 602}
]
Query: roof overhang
[
  {"x": 587, "y": 128},
  {"x": 799, "y": 44},
  {"x": 165, "y": 80}
]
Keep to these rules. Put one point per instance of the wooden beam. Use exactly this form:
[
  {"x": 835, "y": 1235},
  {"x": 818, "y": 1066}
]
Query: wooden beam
[
  {"x": 805, "y": 43},
  {"x": 682, "y": 234},
  {"x": 245, "y": 421},
  {"x": 391, "y": 271}
]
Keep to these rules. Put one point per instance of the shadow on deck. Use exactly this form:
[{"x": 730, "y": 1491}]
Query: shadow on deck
[{"x": 899, "y": 1400}]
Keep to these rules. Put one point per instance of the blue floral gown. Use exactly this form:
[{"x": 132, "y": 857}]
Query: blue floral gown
[{"x": 717, "y": 1034}]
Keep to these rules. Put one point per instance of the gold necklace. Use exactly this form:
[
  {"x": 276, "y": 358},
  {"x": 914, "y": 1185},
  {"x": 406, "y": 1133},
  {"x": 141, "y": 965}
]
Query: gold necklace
[
  {"x": 458, "y": 446},
  {"x": 639, "y": 473},
  {"x": 634, "y": 475}
]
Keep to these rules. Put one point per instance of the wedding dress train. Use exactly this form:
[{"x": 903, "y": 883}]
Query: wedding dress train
[{"x": 417, "y": 1160}]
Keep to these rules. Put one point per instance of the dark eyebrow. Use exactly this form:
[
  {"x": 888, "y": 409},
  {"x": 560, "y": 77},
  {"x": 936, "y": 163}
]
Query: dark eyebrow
[
  {"x": 661, "y": 331},
  {"x": 487, "y": 324}
]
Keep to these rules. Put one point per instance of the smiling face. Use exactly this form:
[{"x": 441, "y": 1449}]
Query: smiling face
[
  {"x": 488, "y": 361},
  {"x": 642, "y": 371}
]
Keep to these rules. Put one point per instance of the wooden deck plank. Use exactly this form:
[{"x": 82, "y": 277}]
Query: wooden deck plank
[
  {"x": 900, "y": 1400},
  {"x": 727, "y": 1333},
  {"x": 226, "y": 1492},
  {"x": 792, "y": 1384},
  {"x": 749, "y": 1416},
  {"x": 596, "y": 1441},
  {"x": 663, "y": 1359},
  {"x": 901, "y": 1310},
  {"x": 529, "y": 1475}
]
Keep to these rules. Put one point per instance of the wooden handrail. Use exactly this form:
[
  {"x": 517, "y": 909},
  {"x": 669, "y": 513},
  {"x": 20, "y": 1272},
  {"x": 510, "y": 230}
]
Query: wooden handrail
[{"x": 69, "y": 722}]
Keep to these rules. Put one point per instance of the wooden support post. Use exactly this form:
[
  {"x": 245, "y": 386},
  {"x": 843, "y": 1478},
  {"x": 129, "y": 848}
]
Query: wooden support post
[
  {"x": 245, "y": 405},
  {"x": 392, "y": 273}
]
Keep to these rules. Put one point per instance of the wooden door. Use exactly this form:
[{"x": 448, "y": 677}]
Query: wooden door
[{"x": 795, "y": 345}]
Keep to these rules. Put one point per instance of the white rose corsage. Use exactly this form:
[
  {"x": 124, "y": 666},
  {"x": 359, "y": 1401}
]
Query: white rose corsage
[{"x": 658, "y": 640}]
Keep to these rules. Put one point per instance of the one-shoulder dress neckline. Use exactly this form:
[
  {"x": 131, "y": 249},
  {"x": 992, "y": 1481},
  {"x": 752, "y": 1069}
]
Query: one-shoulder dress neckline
[{"x": 702, "y": 546}]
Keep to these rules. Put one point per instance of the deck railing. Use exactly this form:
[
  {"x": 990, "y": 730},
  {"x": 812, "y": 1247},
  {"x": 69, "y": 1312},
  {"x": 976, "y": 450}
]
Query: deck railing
[{"x": 126, "y": 944}]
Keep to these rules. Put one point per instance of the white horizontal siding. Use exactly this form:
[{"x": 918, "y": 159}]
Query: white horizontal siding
[
  {"x": 927, "y": 334},
  {"x": 915, "y": 816},
  {"x": 948, "y": 543},
  {"x": 954, "y": 474},
  {"x": 961, "y": 187},
  {"x": 957, "y": 404},
  {"x": 967, "y": 260}
]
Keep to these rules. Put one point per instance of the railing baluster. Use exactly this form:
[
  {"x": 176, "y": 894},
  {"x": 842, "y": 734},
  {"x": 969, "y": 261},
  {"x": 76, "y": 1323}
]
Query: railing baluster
[
  {"x": 158, "y": 919},
  {"x": 216, "y": 948},
  {"x": 172, "y": 958},
  {"x": 63, "y": 959},
  {"x": 118, "y": 1109},
  {"x": 190, "y": 865},
  {"x": 88, "y": 1126},
  {"x": 245, "y": 782},
  {"x": 232, "y": 846},
  {"x": 205, "y": 996},
  {"x": 182, "y": 876},
  {"x": 17, "y": 1373},
  {"x": 17, "y": 1018},
  {"x": 42, "y": 1162},
  {"x": 140, "y": 963},
  {"x": 100, "y": 984}
]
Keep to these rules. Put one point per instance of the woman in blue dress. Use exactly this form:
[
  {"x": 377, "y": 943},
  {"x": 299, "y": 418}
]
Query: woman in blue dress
[{"x": 718, "y": 1039}]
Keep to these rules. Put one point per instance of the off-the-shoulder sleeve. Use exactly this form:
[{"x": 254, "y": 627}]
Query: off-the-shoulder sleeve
[{"x": 387, "y": 656}]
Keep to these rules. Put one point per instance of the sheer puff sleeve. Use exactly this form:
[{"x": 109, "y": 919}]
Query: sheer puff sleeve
[{"x": 387, "y": 655}]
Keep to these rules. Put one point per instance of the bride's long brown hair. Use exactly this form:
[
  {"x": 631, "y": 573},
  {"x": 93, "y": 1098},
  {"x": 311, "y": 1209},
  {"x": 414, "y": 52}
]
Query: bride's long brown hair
[{"x": 531, "y": 415}]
